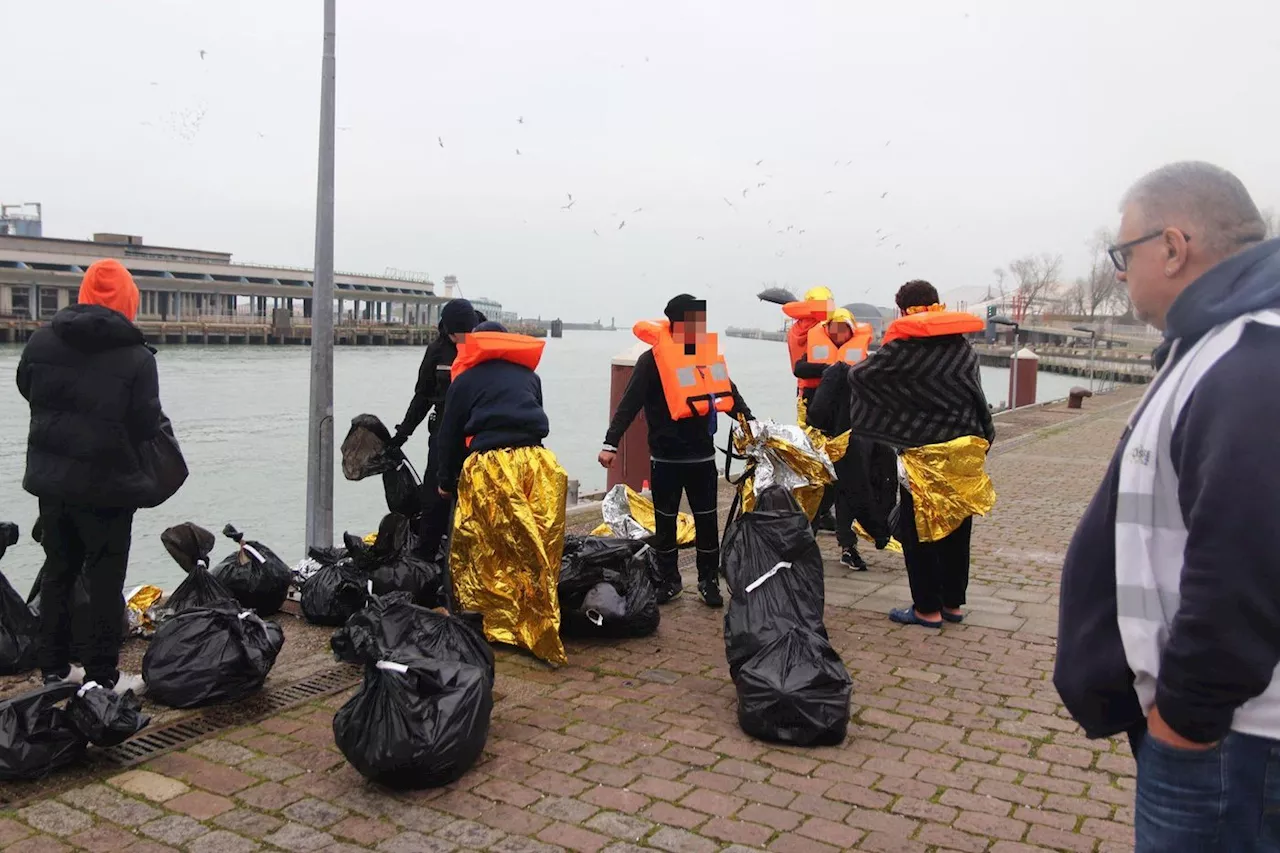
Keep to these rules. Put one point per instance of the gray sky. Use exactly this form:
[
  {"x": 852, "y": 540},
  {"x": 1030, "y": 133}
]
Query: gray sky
[{"x": 997, "y": 128}]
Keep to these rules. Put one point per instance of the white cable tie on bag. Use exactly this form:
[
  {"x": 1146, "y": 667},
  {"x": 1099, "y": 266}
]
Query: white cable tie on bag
[
  {"x": 245, "y": 614},
  {"x": 254, "y": 552},
  {"x": 595, "y": 618},
  {"x": 392, "y": 666},
  {"x": 751, "y": 587},
  {"x": 88, "y": 685}
]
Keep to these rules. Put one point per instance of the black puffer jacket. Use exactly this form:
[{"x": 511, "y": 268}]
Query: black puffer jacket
[{"x": 95, "y": 396}]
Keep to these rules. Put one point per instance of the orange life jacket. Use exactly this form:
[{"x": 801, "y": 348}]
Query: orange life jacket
[
  {"x": 692, "y": 384},
  {"x": 823, "y": 350},
  {"x": 932, "y": 322},
  {"x": 798, "y": 345},
  {"x": 479, "y": 347},
  {"x": 812, "y": 309}
]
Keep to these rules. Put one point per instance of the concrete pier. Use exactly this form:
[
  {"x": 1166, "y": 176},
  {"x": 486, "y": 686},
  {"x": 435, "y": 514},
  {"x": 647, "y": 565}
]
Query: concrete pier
[{"x": 958, "y": 740}]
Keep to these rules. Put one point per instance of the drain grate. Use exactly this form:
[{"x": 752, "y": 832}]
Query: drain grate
[{"x": 180, "y": 734}]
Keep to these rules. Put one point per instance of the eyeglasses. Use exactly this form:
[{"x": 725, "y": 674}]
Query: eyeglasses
[{"x": 1120, "y": 254}]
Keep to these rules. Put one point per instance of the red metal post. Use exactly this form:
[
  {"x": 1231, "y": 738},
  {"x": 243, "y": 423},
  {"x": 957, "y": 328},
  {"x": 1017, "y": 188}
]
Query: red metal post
[
  {"x": 632, "y": 464},
  {"x": 1024, "y": 369}
]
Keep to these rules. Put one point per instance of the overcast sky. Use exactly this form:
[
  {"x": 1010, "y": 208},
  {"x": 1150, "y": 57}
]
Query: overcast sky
[{"x": 996, "y": 127}]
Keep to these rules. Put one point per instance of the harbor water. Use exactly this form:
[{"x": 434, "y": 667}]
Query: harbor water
[{"x": 240, "y": 414}]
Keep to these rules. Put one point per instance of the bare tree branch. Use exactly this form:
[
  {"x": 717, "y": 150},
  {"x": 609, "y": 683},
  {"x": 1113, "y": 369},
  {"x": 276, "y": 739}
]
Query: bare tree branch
[{"x": 1037, "y": 278}]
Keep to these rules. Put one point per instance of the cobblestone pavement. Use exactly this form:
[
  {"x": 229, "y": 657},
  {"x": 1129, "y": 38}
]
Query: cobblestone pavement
[{"x": 958, "y": 740}]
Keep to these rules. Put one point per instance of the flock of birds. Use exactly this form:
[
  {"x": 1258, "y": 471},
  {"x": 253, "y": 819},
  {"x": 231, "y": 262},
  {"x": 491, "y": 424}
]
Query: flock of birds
[{"x": 185, "y": 124}]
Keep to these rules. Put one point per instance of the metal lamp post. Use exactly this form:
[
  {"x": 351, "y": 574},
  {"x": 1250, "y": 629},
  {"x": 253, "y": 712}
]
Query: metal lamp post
[
  {"x": 1093, "y": 349},
  {"x": 1013, "y": 368},
  {"x": 320, "y": 424}
]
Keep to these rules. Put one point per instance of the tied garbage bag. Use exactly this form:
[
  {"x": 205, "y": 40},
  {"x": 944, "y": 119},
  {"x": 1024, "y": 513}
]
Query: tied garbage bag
[
  {"x": 210, "y": 656},
  {"x": 103, "y": 718},
  {"x": 334, "y": 594},
  {"x": 416, "y": 724},
  {"x": 19, "y": 628},
  {"x": 392, "y": 563},
  {"x": 792, "y": 686},
  {"x": 189, "y": 545},
  {"x": 367, "y": 451},
  {"x": 796, "y": 691},
  {"x": 392, "y": 625},
  {"x": 606, "y": 588},
  {"x": 35, "y": 737},
  {"x": 774, "y": 571},
  {"x": 254, "y": 575},
  {"x": 316, "y": 559},
  {"x": 628, "y": 515}
]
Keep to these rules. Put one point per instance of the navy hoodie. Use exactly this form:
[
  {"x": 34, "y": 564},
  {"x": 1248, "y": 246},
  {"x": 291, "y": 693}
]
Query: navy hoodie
[
  {"x": 1224, "y": 644},
  {"x": 497, "y": 404}
]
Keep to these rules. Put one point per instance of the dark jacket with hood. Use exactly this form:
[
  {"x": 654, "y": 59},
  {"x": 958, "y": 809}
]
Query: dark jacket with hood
[
  {"x": 95, "y": 396},
  {"x": 495, "y": 404},
  {"x": 457, "y": 317},
  {"x": 1224, "y": 645}
]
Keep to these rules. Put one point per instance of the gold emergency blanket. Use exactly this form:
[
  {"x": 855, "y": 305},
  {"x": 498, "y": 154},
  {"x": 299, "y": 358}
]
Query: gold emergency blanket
[
  {"x": 136, "y": 608},
  {"x": 949, "y": 483},
  {"x": 508, "y": 538},
  {"x": 794, "y": 457},
  {"x": 894, "y": 546},
  {"x": 627, "y": 515}
]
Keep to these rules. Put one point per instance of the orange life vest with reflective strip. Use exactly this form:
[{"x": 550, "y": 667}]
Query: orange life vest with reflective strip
[
  {"x": 807, "y": 314},
  {"x": 694, "y": 384},
  {"x": 479, "y": 347},
  {"x": 933, "y": 322},
  {"x": 823, "y": 350}
]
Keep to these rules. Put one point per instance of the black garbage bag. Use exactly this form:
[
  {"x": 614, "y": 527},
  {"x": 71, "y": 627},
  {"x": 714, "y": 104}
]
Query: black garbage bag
[
  {"x": 367, "y": 451},
  {"x": 796, "y": 691},
  {"x": 774, "y": 571},
  {"x": 103, "y": 718},
  {"x": 254, "y": 575},
  {"x": 189, "y": 545},
  {"x": 415, "y": 724},
  {"x": 606, "y": 588},
  {"x": 19, "y": 627},
  {"x": 393, "y": 563},
  {"x": 334, "y": 594},
  {"x": 35, "y": 737},
  {"x": 209, "y": 656},
  {"x": 392, "y": 625}
]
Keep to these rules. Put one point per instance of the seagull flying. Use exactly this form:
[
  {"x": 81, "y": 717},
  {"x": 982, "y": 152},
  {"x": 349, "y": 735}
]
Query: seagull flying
[
  {"x": 898, "y": 246},
  {"x": 622, "y": 224},
  {"x": 637, "y": 210},
  {"x": 520, "y": 120},
  {"x": 744, "y": 193},
  {"x": 758, "y": 162},
  {"x": 568, "y": 206},
  {"x": 828, "y": 192},
  {"x": 883, "y": 194},
  {"x": 202, "y": 54},
  {"x": 595, "y": 232},
  {"x": 726, "y": 201},
  {"x": 702, "y": 238},
  {"x": 759, "y": 185},
  {"x": 517, "y": 152},
  {"x": 570, "y": 195},
  {"x": 441, "y": 141}
]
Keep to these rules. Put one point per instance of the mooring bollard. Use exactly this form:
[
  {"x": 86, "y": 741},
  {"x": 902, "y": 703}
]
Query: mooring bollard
[
  {"x": 1075, "y": 398},
  {"x": 632, "y": 465},
  {"x": 571, "y": 494}
]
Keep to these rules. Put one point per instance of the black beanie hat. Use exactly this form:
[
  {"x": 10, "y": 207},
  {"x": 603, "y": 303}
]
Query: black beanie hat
[
  {"x": 683, "y": 304},
  {"x": 458, "y": 317}
]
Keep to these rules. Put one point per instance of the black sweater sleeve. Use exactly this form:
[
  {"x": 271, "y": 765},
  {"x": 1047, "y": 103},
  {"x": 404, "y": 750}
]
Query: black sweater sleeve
[
  {"x": 423, "y": 391},
  {"x": 821, "y": 414},
  {"x": 1224, "y": 645},
  {"x": 643, "y": 376},
  {"x": 804, "y": 369},
  {"x": 451, "y": 440}
]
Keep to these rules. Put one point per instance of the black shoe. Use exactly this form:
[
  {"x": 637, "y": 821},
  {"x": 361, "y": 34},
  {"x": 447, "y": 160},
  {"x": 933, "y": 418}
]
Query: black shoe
[
  {"x": 710, "y": 592},
  {"x": 853, "y": 560},
  {"x": 882, "y": 543},
  {"x": 669, "y": 591}
]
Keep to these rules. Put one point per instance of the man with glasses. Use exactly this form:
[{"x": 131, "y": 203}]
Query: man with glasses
[{"x": 1169, "y": 624}]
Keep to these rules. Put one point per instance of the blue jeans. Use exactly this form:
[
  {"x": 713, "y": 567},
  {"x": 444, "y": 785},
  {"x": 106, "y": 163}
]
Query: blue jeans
[{"x": 1220, "y": 800}]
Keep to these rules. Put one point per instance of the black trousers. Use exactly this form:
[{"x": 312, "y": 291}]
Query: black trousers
[
  {"x": 434, "y": 522},
  {"x": 698, "y": 482},
  {"x": 937, "y": 571},
  {"x": 95, "y": 543}
]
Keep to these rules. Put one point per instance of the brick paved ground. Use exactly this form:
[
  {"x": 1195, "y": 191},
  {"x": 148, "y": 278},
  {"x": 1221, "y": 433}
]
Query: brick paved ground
[{"x": 958, "y": 740}]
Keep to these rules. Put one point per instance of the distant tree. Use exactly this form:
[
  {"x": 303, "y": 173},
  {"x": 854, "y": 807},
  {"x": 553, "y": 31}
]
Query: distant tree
[
  {"x": 1036, "y": 277},
  {"x": 1101, "y": 288},
  {"x": 998, "y": 286}
]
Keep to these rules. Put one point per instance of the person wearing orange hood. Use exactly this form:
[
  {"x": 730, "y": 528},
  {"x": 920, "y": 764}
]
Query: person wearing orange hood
[
  {"x": 92, "y": 384},
  {"x": 814, "y": 310}
]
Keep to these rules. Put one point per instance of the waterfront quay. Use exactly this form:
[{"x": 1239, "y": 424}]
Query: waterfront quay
[{"x": 958, "y": 740}]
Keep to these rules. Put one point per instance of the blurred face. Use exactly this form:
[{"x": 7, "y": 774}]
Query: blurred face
[
  {"x": 691, "y": 330},
  {"x": 1155, "y": 265},
  {"x": 840, "y": 333}
]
